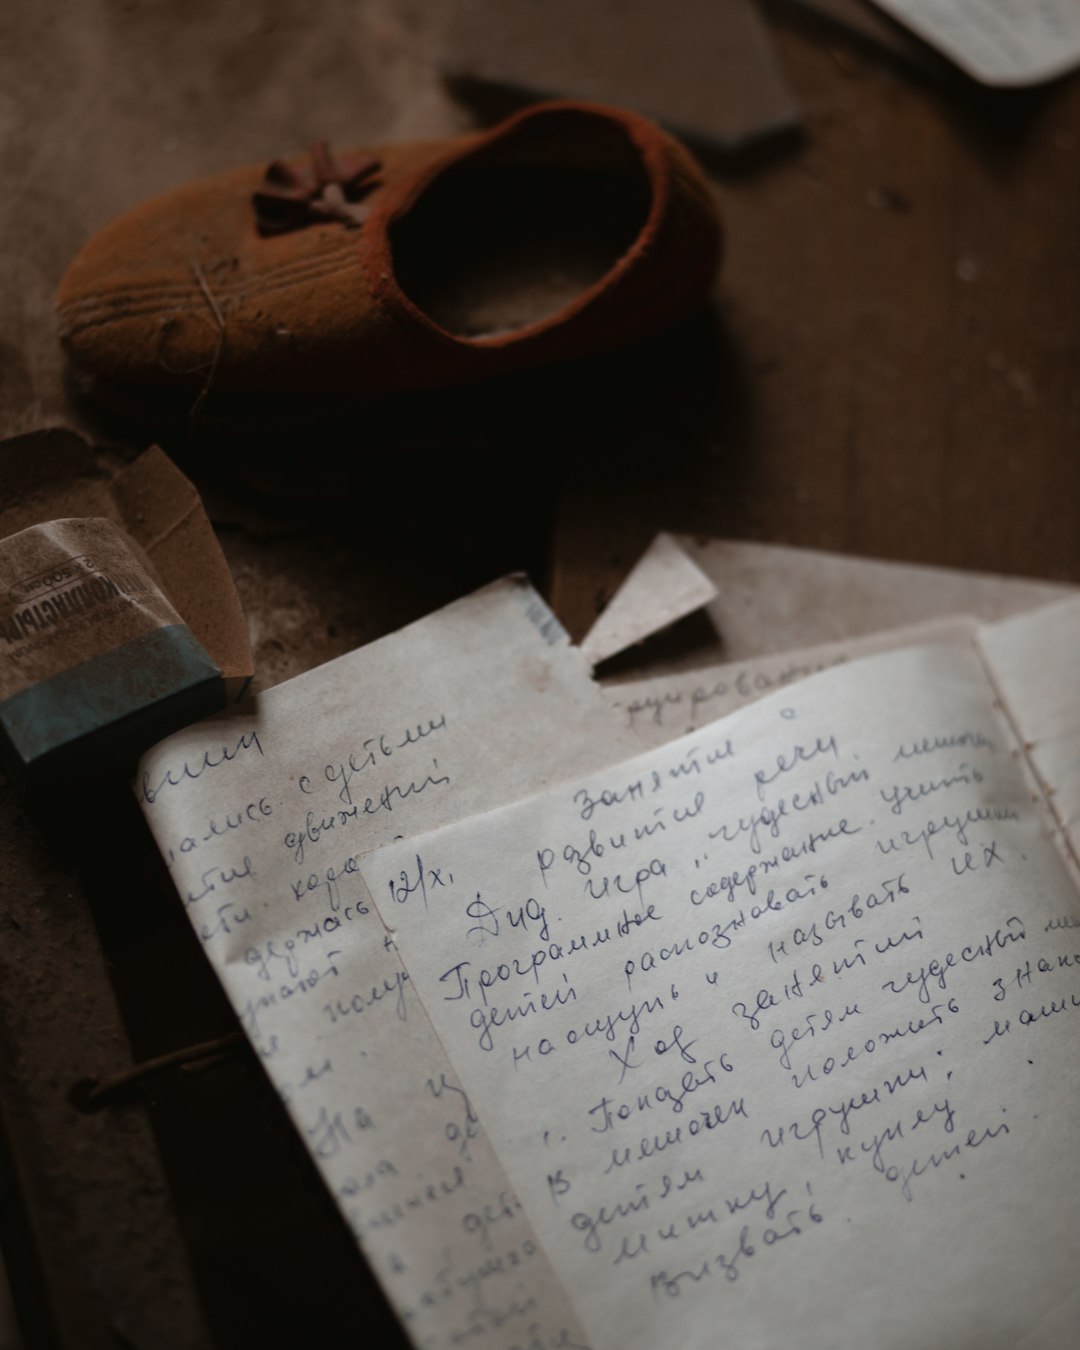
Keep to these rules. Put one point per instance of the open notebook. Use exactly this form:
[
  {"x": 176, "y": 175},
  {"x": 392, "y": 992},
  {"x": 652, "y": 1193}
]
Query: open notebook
[{"x": 768, "y": 1032}]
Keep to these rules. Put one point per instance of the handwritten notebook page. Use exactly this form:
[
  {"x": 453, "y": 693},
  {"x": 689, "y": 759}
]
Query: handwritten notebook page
[
  {"x": 790, "y": 1053},
  {"x": 1027, "y": 655},
  {"x": 262, "y": 818}
]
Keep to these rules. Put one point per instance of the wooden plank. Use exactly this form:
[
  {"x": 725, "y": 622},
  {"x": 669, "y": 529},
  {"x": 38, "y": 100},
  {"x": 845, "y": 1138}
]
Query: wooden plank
[
  {"x": 886, "y": 366},
  {"x": 705, "y": 70},
  {"x": 889, "y": 368},
  {"x": 82, "y": 1277}
]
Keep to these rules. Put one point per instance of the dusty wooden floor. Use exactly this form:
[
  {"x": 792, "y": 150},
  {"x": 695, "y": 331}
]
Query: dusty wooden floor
[{"x": 889, "y": 366}]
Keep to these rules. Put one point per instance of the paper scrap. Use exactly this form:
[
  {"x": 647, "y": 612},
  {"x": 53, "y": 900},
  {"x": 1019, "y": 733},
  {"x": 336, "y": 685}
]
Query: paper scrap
[
  {"x": 664, "y": 586},
  {"x": 773, "y": 598},
  {"x": 999, "y": 42}
]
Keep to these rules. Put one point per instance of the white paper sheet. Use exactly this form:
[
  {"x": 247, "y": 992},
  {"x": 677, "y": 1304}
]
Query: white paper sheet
[
  {"x": 262, "y": 817},
  {"x": 774, "y": 599},
  {"x": 788, "y": 1051},
  {"x": 1027, "y": 654},
  {"x": 1001, "y": 42},
  {"x": 665, "y": 585},
  {"x": 662, "y": 707}
]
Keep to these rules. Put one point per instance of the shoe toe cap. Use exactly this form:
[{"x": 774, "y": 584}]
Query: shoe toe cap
[{"x": 183, "y": 290}]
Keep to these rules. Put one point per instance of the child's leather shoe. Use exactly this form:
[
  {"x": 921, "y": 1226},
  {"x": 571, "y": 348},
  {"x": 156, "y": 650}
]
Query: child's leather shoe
[{"x": 568, "y": 229}]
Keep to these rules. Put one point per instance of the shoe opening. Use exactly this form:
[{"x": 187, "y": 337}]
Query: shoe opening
[{"x": 514, "y": 233}]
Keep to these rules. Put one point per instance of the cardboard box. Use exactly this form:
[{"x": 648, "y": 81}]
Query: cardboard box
[{"x": 119, "y": 620}]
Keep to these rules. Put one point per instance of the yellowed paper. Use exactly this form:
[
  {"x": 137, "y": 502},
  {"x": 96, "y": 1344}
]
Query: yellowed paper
[
  {"x": 788, "y": 1053},
  {"x": 773, "y": 599},
  {"x": 662, "y": 707},
  {"x": 1027, "y": 655},
  {"x": 262, "y": 817}
]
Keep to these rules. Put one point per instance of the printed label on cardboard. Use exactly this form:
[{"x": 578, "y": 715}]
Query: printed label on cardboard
[{"x": 69, "y": 591}]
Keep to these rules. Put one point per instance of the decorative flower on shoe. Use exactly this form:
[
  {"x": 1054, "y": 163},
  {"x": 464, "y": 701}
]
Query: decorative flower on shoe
[{"x": 329, "y": 189}]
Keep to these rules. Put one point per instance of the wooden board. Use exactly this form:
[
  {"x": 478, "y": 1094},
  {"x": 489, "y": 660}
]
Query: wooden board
[
  {"x": 705, "y": 70},
  {"x": 889, "y": 367}
]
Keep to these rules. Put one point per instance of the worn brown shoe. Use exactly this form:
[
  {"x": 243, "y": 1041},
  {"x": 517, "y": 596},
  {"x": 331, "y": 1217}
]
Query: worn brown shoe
[{"x": 566, "y": 230}]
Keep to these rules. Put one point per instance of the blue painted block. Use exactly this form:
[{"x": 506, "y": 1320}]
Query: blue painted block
[{"x": 101, "y": 714}]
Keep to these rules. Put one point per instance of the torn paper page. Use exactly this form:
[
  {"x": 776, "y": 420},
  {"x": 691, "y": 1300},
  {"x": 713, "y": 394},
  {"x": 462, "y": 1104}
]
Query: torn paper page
[
  {"x": 771, "y": 598},
  {"x": 665, "y": 585},
  {"x": 789, "y": 1044},
  {"x": 662, "y": 707},
  {"x": 262, "y": 817},
  {"x": 999, "y": 42}
]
